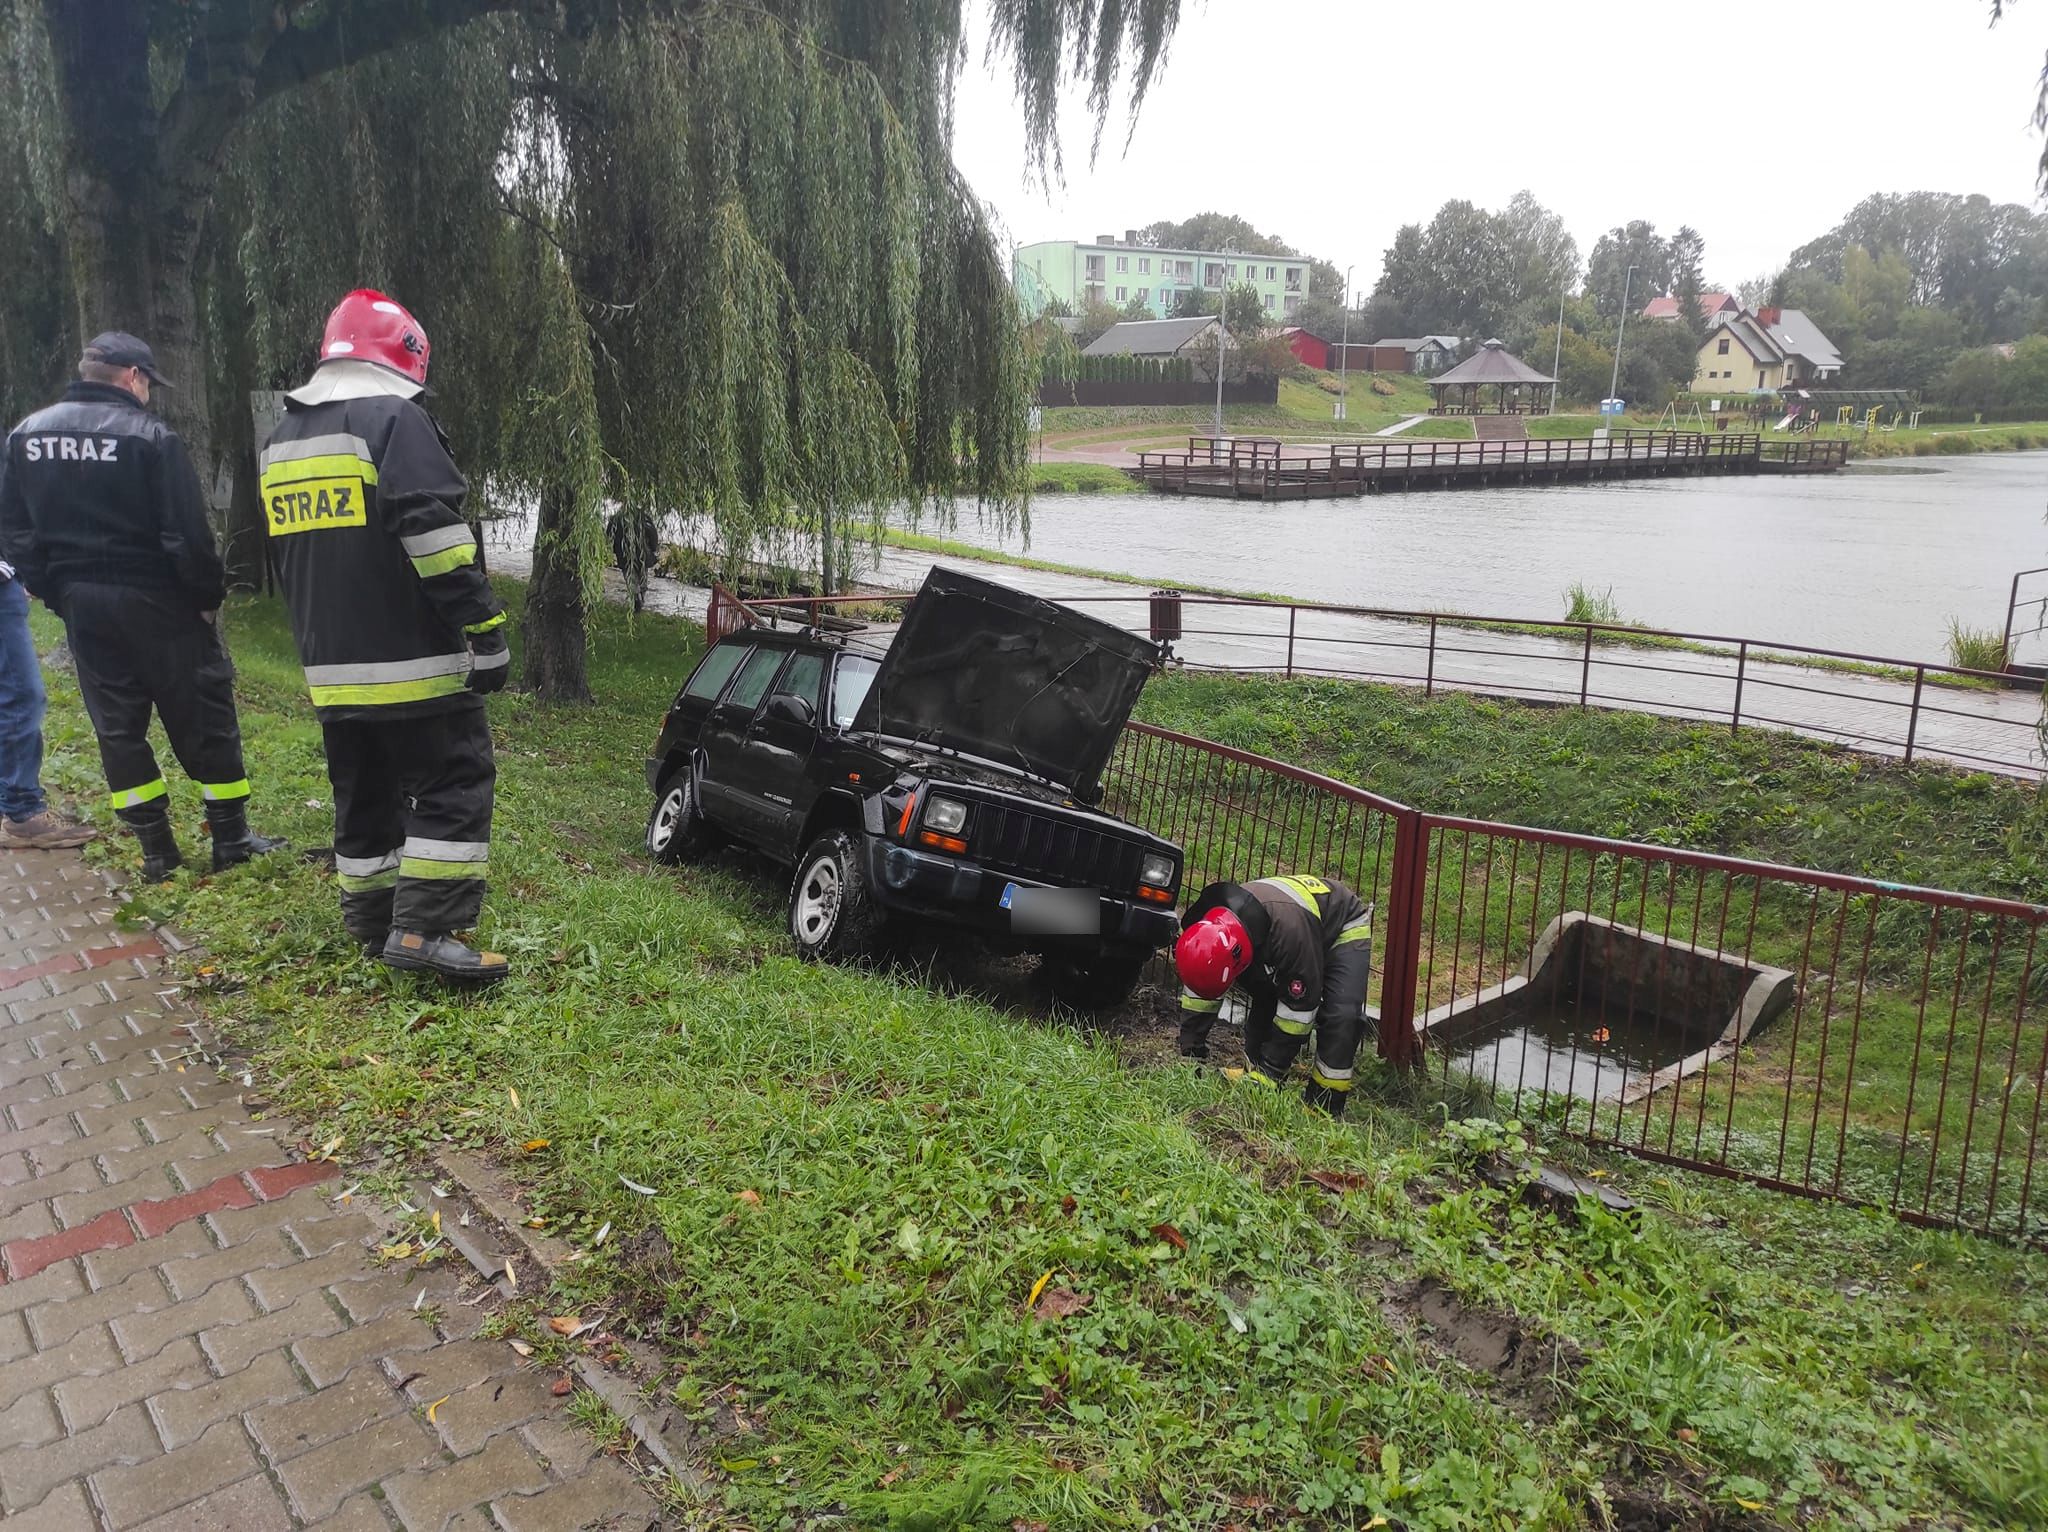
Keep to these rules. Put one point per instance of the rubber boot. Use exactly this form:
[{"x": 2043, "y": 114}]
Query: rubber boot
[
  {"x": 443, "y": 955},
  {"x": 1321, "y": 1098},
  {"x": 152, "y": 827},
  {"x": 233, "y": 841},
  {"x": 366, "y": 916}
]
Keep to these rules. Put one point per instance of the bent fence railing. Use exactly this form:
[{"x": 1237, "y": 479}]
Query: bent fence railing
[
  {"x": 1910, "y": 709},
  {"x": 1901, "y": 1067}
]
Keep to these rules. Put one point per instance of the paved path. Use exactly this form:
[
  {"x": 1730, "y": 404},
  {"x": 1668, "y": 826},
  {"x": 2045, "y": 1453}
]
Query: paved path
[
  {"x": 1400, "y": 425},
  {"x": 193, "y": 1334}
]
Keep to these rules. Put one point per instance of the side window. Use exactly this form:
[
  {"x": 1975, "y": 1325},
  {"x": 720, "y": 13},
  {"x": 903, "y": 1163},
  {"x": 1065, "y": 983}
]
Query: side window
[
  {"x": 755, "y": 675},
  {"x": 850, "y": 688},
  {"x": 802, "y": 678},
  {"x": 715, "y": 669}
]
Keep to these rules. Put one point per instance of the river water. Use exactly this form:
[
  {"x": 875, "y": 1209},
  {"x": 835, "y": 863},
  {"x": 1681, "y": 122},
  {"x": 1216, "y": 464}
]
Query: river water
[{"x": 1876, "y": 559}]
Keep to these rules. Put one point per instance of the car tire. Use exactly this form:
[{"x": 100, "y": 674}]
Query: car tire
[
  {"x": 676, "y": 828},
  {"x": 1101, "y": 980},
  {"x": 832, "y": 916}
]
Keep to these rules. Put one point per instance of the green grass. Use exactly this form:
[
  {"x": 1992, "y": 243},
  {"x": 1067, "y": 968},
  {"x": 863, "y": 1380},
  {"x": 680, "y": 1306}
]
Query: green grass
[
  {"x": 1082, "y": 478},
  {"x": 856, "y": 1344},
  {"x": 1975, "y": 648},
  {"x": 1584, "y": 604}
]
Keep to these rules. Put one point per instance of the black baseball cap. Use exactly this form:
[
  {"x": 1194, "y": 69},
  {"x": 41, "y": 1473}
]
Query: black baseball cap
[{"x": 117, "y": 348}]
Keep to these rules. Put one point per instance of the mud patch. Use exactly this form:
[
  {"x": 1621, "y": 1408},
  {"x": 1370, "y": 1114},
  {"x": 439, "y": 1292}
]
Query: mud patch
[
  {"x": 1529, "y": 1370},
  {"x": 1664, "y": 1505}
]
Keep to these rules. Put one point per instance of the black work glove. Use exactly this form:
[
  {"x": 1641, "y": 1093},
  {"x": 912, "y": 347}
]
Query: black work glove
[{"x": 490, "y": 662}]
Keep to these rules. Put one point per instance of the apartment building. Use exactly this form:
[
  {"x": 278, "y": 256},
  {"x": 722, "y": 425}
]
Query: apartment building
[{"x": 1116, "y": 271}]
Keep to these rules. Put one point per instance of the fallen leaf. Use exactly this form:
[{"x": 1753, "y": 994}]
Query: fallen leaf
[
  {"x": 1237, "y": 1321},
  {"x": 566, "y": 1324},
  {"x": 563, "y": 1388},
  {"x": 1037, "y": 1288},
  {"x": 1067, "y": 1203},
  {"x": 511, "y": 1276},
  {"x": 1170, "y": 1234},
  {"x": 891, "y": 1476},
  {"x": 522, "y": 1348},
  {"x": 327, "y": 1149},
  {"x": 437, "y": 1220},
  {"x": 374, "y": 1060},
  {"x": 533, "y": 1144},
  {"x": 536, "y": 1223},
  {"x": 1749, "y": 1505},
  {"x": 1021, "y": 1525},
  {"x": 435, "y": 1407},
  {"x": 750, "y": 1197},
  {"x": 397, "y": 1252},
  {"x": 515, "y": 1097},
  {"x": 1338, "y": 1181},
  {"x": 1060, "y": 1302},
  {"x": 601, "y": 1233},
  {"x": 635, "y": 1186},
  {"x": 1687, "y": 1434}
]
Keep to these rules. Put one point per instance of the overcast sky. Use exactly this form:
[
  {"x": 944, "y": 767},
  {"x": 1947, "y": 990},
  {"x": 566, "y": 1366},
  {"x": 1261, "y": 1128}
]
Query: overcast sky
[{"x": 1332, "y": 122}]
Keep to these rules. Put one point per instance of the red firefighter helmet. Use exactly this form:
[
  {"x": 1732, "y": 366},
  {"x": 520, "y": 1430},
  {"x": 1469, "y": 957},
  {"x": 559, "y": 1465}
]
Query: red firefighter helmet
[
  {"x": 1212, "y": 953},
  {"x": 366, "y": 326}
]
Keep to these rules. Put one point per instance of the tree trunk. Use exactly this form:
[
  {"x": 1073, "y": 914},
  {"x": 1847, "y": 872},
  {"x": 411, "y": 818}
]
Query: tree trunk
[
  {"x": 553, "y": 626},
  {"x": 136, "y": 200}
]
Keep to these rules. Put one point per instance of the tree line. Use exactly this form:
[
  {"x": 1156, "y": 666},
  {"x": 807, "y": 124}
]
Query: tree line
[{"x": 1927, "y": 291}]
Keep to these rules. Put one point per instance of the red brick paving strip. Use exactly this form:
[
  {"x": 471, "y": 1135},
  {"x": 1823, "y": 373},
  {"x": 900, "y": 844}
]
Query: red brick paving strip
[
  {"x": 111, "y": 1230},
  {"x": 25, "y": 1257},
  {"x": 71, "y": 962}
]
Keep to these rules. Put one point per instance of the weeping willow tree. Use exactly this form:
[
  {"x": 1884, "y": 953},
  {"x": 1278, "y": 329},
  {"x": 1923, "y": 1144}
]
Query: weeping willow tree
[{"x": 698, "y": 258}]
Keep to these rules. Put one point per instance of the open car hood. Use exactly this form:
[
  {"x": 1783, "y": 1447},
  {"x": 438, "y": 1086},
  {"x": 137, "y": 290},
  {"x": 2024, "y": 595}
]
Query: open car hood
[{"x": 1014, "y": 679}]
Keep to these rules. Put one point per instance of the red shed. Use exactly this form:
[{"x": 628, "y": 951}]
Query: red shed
[{"x": 1310, "y": 349}]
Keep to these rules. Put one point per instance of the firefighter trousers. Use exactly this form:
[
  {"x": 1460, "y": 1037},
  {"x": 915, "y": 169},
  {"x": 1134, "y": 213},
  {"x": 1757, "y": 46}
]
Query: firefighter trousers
[
  {"x": 1339, "y": 1026},
  {"x": 412, "y": 818},
  {"x": 137, "y": 650}
]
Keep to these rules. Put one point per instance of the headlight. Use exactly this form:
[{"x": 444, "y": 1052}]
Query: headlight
[
  {"x": 1157, "y": 870},
  {"x": 946, "y": 815}
]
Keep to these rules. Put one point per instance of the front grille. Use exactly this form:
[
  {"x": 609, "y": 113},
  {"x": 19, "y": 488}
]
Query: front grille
[{"x": 1052, "y": 849}]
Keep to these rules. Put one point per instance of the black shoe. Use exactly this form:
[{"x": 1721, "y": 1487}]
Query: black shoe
[
  {"x": 1321, "y": 1098},
  {"x": 160, "y": 854},
  {"x": 371, "y": 941},
  {"x": 443, "y": 955},
  {"x": 233, "y": 841}
]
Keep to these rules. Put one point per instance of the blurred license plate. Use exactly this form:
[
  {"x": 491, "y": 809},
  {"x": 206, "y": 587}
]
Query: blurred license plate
[{"x": 1053, "y": 911}]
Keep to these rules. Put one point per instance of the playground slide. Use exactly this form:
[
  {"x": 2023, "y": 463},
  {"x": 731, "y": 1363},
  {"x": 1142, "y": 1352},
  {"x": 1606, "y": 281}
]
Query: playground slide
[{"x": 1786, "y": 423}]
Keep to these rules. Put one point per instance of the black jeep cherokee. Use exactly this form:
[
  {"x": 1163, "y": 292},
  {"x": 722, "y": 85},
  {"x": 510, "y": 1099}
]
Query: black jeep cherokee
[{"x": 946, "y": 776}]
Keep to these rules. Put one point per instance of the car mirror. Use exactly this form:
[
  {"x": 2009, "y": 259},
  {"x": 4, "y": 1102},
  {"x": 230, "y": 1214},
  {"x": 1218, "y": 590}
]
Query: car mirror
[{"x": 786, "y": 707}]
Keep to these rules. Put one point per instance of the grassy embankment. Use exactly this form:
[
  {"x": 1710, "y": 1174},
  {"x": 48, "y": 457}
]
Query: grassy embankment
[
  {"x": 1302, "y": 414},
  {"x": 1216, "y": 1339}
]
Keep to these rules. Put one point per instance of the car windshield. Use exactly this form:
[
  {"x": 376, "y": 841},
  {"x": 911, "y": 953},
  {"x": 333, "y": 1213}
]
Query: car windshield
[{"x": 850, "y": 688}]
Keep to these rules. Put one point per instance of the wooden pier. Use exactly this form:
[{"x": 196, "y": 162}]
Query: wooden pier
[{"x": 1263, "y": 469}]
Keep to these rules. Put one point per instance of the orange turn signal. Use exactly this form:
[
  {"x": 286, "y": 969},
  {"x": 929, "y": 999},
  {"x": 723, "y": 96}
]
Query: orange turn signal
[
  {"x": 952, "y": 843},
  {"x": 1156, "y": 895},
  {"x": 903, "y": 824}
]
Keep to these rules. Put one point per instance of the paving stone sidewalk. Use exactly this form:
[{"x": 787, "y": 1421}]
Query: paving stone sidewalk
[{"x": 193, "y": 1331}]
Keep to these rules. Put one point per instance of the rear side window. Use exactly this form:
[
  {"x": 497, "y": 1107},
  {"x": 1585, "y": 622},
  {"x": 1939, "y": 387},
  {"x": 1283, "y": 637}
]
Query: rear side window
[
  {"x": 802, "y": 678},
  {"x": 755, "y": 675},
  {"x": 715, "y": 669}
]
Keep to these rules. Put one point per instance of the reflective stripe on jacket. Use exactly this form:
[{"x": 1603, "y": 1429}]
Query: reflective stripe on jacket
[{"x": 363, "y": 506}]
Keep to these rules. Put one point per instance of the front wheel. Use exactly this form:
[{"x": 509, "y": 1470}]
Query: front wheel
[
  {"x": 1101, "y": 980},
  {"x": 832, "y": 917},
  {"x": 676, "y": 829}
]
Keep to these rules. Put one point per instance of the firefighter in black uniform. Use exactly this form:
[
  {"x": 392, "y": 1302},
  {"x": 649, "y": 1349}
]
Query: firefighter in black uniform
[
  {"x": 400, "y": 635},
  {"x": 1301, "y": 950},
  {"x": 102, "y": 515}
]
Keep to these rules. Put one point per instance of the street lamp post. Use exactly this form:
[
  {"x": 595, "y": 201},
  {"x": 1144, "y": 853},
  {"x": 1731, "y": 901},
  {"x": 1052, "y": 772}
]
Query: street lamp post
[
  {"x": 1222, "y": 339},
  {"x": 1557, "y": 351},
  {"x": 1344, "y": 353},
  {"x": 1614, "y": 382}
]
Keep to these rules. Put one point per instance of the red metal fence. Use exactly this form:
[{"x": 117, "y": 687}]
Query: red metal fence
[{"x": 1832, "y": 1036}]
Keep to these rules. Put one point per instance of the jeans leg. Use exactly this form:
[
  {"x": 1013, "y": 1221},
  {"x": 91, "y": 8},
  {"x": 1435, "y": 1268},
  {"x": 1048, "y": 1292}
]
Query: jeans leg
[{"x": 21, "y": 709}]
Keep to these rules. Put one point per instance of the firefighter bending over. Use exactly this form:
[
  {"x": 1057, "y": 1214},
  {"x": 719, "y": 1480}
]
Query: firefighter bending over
[
  {"x": 1300, "y": 950},
  {"x": 400, "y": 635}
]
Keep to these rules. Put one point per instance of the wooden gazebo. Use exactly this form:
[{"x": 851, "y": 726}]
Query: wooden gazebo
[{"x": 1518, "y": 388}]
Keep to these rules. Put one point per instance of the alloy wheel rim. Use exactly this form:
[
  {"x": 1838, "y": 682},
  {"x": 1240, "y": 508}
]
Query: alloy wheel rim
[{"x": 667, "y": 817}]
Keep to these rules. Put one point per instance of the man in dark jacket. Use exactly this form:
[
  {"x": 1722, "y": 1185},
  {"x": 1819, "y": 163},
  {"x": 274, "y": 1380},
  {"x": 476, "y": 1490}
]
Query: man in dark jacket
[
  {"x": 1301, "y": 950},
  {"x": 102, "y": 517},
  {"x": 400, "y": 634}
]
